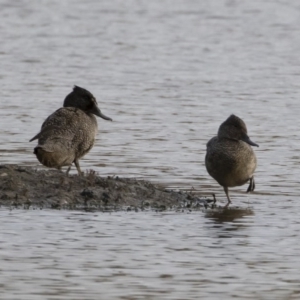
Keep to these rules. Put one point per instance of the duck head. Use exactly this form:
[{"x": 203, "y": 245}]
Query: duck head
[
  {"x": 234, "y": 128},
  {"x": 84, "y": 100}
]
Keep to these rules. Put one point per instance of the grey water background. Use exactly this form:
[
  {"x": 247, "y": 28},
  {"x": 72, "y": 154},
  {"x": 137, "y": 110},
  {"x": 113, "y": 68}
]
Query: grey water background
[{"x": 168, "y": 73}]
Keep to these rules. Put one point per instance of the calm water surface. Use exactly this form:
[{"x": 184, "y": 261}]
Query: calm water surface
[{"x": 168, "y": 73}]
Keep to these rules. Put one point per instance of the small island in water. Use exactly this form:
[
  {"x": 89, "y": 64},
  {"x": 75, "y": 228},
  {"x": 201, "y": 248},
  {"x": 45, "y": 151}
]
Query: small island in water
[{"x": 29, "y": 187}]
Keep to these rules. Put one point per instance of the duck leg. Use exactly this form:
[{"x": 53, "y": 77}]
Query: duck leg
[
  {"x": 227, "y": 195},
  {"x": 251, "y": 186},
  {"x": 68, "y": 170},
  {"x": 76, "y": 162}
]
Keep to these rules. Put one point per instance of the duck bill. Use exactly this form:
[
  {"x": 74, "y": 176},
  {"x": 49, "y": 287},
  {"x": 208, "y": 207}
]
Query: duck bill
[
  {"x": 96, "y": 111},
  {"x": 247, "y": 140},
  {"x": 101, "y": 115}
]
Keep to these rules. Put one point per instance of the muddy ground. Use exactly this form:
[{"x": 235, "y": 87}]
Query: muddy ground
[{"x": 28, "y": 187}]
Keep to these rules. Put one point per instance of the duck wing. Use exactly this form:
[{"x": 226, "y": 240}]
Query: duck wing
[{"x": 62, "y": 118}]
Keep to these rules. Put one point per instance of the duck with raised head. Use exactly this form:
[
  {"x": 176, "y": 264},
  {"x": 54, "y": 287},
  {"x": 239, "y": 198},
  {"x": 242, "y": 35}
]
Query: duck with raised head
[
  {"x": 69, "y": 133},
  {"x": 230, "y": 159}
]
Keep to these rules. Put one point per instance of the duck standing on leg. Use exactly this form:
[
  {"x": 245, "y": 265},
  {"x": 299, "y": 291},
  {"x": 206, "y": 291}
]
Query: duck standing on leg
[
  {"x": 69, "y": 133},
  {"x": 229, "y": 159}
]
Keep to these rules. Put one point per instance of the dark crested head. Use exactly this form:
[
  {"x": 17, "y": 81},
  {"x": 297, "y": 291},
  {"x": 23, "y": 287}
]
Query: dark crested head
[
  {"x": 84, "y": 100},
  {"x": 234, "y": 128}
]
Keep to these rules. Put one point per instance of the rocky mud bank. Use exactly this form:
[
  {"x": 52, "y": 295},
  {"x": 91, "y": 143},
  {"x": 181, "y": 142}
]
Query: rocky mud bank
[{"x": 27, "y": 187}]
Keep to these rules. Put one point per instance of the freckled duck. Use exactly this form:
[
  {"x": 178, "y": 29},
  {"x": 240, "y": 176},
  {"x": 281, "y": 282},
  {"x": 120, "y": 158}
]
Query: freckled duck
[
  {"x": 230, "y": 160},
  {"x": 69, "y": 133}
]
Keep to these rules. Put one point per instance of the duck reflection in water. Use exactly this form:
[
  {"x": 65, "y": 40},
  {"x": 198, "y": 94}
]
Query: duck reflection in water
[{"x": 221, "y": 215}]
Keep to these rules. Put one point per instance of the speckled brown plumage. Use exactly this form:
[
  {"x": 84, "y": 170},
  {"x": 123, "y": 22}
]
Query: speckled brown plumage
[
  {"x": 230, "y": 160},
  {"x": 69, "y": 133}
]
